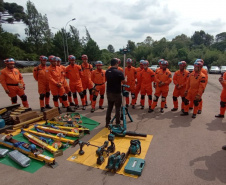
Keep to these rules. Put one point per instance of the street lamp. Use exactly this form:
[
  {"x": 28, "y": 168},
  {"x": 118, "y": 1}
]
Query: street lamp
[
  {"x": 63, "y": 42},
  {"x": 66, "y": 33}
]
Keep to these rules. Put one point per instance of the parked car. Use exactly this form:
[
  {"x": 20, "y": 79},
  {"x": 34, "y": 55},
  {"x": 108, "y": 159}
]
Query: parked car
[
  {"x": 154, "y": 67},
  {"x": 215, "y": 70},
  {"x": 205, "y": 67},
  {"x": 223, "y": 69},
  {"x": 190, "y": 68},
  {"x": 21, "y": 64}
]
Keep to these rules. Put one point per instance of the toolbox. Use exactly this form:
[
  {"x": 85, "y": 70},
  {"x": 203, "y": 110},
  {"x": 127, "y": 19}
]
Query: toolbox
[{"x": 135, "y": 166}]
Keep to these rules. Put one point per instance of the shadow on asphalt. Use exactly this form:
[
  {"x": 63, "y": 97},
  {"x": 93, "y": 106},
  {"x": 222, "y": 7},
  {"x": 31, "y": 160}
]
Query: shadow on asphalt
[
  {"x": 216, "y": 169},
  {"x": 217, "y": 124}
]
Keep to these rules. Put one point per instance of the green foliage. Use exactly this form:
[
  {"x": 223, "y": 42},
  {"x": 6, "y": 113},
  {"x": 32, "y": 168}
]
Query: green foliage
[{"x": 26, "y": 70}]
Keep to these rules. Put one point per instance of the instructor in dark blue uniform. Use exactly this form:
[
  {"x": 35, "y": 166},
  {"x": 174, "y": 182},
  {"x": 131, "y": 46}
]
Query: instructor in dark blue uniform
[{"x": 114, "y": 79}]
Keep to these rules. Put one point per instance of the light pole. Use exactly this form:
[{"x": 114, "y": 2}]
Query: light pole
[
  {"x": 63, "y": 43},
  {"x": 66, "y": 34}
]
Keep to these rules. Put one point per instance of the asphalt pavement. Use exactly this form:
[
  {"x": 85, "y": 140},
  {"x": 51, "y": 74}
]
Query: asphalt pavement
[{"x": 183, "y": 150}]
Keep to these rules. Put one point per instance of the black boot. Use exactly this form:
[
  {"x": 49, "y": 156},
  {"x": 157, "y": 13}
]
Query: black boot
[
  {"x": 63, "y": 106},
  {"x": 184, "y": 114},
  {"x": 59, "y": 110},
  {"x": 224, "y": 147},
  {"x": 133, "y": 106},
  {"x": 150, "y": 110},
  {"x": 86, "y": 103},
  {"x": 127, "y": 105},
  {"x": 48, "y": 106},
  {"x": 42, "y": 109},
  {"x": 92, "y": 110},
  {"x": 219, "y": 116},
  {"x": 199, "y": 112},
  {"x": 166, "y": 106},
  {"x": 69, "y": 109},
  {"x": 174, "y": 109},
  {"x": 142, "y": 107},
  {"x": 84, "y": 107},
  {"x": 161, "y": 110},
  {"x": 72, "y": 104},
  {"x": 193, "y": 115},
  {"x": 100, "y": 107},
  {"x": 76, "y": 106}
]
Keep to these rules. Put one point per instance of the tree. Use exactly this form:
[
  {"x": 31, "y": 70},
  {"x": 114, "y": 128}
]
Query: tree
[
  {"x": 111, "y": 48},
  {"x": 200, "y": 37},
  {"x": 148, "y": 41},
  {"x": 221, "y": 37},
  {"x": 131, "y": 45},
  {"x": 11, "y": 9},
  {"x": 92, "y": 50},
  {"x": 37, "y": 30}
]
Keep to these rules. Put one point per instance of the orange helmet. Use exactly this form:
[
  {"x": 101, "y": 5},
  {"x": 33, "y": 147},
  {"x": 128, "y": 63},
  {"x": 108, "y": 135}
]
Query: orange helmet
[
  {"x": 84, "y": 57},
  {"x": 51, "y": 58},
  {"x": 71, "y": 58}
]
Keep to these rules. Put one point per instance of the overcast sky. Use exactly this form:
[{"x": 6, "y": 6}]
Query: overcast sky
[{"x": 116, "y": 21}]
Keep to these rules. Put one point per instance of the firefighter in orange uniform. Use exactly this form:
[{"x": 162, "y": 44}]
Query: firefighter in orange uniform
[
  {"x": 163, "y": 78},
  {"x": 66, "y": 86},
  {"x": 98, "y": 78},
  {"x": 138, "y": 83},
  {"x": 147, "y": 76},
  {"x": 12, "y": 82},
  {"x": 74, "y": 74},
  {"x": 180, "y": 79},
  {"x": 206, "y": 74},
  {"x": 222, "y": 80},
  {"x": 86, "y": 80},
  {"x": 119, "y": 62},
  {"x": 131, "y": 74},
  {"x": 194, "y": 89},
  {"x": 56, "y": 84},
  {"x": 40, "y": 74},
  {"x": 160, "y": 67}
]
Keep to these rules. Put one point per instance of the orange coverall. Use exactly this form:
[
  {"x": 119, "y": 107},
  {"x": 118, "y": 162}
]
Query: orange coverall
[
  {"x": 40, "y": 74},
  {"x": 138, "y": 84},
  {"x": 66, "y": 86},
  {"x": 98, "y": 78},
  {"x": 131, "y": 75},
  {"x": 74, "y": 74},
  {"x": 55, "y": 77},
  {"x": 146, "y": 79},
  {"x": 161, "y": 76},
  {"x": 12, "y": 80},
  {"x": 195, "y": 86},
  {"x": 86, "y": 79},
  {"x": 223, "y": 96},
  {"x": 206, "y": 74},
  {"x": 180, "y": 80}
]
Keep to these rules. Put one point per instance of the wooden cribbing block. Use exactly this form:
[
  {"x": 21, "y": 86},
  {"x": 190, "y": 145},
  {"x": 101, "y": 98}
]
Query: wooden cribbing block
[
  {"x": 26, "y": 116},
  {"x": 25, "y": 123},
  {"x": 51, "y": 113}
]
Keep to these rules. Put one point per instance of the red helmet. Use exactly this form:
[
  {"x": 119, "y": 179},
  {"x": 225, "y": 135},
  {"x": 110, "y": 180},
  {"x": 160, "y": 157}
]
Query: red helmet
[
  {"x": 145, "y": 62},
  {"x": 9, "y": 61},
  {"x": 57, "y": 59},
  {"x": 164, "y": 62},
  {"x": 119, "y": 60},
  {"x": 129, "y": 60},
  {"x": 43, "y": 58},
  {"x": 200, "y": 60},
  {"x": 198, "y": 64},
  {"x": 71, "y": 58},
  {"x": 84, "y": 57},
  {"x": 99, "y": 63},
  {"x": 182, "y": 63},
  {"x": 159, "y": 61},
  {"x": 51, "y": 58}
]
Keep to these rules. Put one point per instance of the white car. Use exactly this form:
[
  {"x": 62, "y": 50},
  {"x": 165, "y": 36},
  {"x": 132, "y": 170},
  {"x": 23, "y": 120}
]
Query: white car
[
  {"x": 214, "y": 69},
  {"x": 154, "y": 67},
  {"x": 190, "y": 68},
  {"x": 223, "y": 69}
]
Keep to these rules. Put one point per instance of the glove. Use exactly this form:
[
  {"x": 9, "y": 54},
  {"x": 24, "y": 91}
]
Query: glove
[{"x": 7, "y": 91}]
